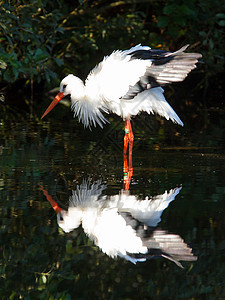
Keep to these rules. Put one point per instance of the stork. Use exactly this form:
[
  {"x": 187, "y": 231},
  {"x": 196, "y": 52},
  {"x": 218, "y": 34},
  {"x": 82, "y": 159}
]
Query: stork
[{"x": 126, "y": 83}]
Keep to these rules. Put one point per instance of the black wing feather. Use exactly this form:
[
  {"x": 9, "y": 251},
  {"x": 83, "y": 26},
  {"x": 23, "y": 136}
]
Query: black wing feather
[{"x": 167, "y": 67}]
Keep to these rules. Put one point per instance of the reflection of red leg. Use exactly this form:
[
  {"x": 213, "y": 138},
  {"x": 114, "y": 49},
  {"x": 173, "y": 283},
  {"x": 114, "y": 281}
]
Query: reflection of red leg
[
  {"x": 127, "y": 168},
  {"x": 126, "y": 179},
  {"x": 127, "y": 171}
]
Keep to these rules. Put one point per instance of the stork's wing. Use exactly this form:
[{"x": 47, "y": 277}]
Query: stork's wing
[
  {"x": 124, "y": 74},
  {"x": 111, "y": 78},
  {"x": 167, "y": 67}
]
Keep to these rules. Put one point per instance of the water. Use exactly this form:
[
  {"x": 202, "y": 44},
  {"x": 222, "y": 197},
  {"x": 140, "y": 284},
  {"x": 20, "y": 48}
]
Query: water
[{"x": 39, "y": 260}]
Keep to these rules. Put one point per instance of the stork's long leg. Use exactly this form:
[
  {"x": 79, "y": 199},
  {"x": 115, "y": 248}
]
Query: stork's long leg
[
  {"x": 127, "y": 168},
  {"x": 128, "y": 137}
]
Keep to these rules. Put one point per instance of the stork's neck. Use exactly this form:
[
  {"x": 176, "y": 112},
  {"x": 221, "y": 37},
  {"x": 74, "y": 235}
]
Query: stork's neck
[
  {"x": 78, "y": 90},
  {"x": 86, "y": 103}
]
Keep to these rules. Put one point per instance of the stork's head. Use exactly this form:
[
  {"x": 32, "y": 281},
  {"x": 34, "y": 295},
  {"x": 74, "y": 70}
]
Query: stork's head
[{"x": 68, "y": 86}]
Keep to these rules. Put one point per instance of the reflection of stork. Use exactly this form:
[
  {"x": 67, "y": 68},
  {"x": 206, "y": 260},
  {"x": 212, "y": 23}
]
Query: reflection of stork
[
  {"x": 126, "y": 83},
  {"x": 121, "y": 225}
]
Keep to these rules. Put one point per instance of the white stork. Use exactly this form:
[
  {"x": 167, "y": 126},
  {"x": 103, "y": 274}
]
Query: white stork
[{"x": 126, "y": 83}]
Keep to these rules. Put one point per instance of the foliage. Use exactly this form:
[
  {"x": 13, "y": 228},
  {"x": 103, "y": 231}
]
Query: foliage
[
  {"x": 94, "y": 30},
  {"x": 200, "y": 23},
  {"x": 37, "y": 36},
  {"x": 29, "y": 33}
]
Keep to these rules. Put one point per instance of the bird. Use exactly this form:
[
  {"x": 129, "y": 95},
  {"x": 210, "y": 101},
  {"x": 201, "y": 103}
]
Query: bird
[
  {"x": 126, "y": 83},
  {"x": 122, "y": 225}
]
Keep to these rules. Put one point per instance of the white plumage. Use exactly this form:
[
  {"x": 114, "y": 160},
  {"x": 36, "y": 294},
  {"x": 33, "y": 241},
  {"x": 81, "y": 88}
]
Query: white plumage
[
  {"x": 127, "y": 83},
  {"x": 121, "y": 225}
]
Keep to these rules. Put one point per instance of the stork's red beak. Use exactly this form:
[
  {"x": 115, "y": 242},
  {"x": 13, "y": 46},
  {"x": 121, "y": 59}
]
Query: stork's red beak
[
  {"x": 54, "y": 205},
  {"x": 56, "y": 100}
]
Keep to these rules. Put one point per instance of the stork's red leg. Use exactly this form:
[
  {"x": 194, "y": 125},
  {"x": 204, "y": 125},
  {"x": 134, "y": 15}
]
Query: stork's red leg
[
  {"x": 128, "y": 137},
  {"x": 127, "y": 168}
]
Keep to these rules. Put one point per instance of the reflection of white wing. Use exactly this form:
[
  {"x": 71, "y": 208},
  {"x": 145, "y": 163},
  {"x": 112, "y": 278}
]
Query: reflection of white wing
[
  {"x": 123, "y": 226},
  {"x": 147, "y": 211},
  {"x": 111, "y": 233}
]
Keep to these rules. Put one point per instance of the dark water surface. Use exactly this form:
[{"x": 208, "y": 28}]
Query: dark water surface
[{"x": 40, "y": 261}]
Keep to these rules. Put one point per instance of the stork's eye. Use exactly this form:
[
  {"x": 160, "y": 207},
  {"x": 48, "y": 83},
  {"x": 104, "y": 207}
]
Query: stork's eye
[
  {"x": 60, "y": 217},
  {"x": 64, "y": 86}
]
